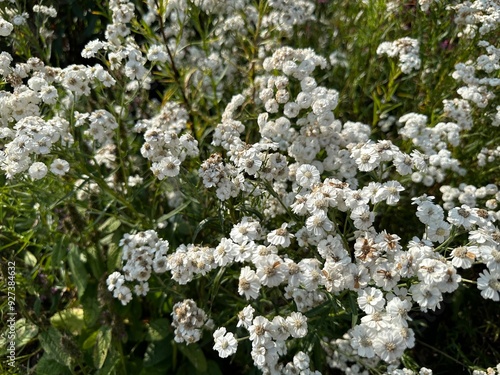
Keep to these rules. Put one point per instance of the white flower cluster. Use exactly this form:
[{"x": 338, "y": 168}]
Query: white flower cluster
[
  {"x": 406, "y": 49},
  {"x": 32, "y": 138},
  {"x": 188, "y": 320},
  {"x": 481, "y": 16},
  {"x": 163, "y": 144},
  {"x": 143, "y": 253},
  {"x": 269, "y": 341},
  {"x": 283, "y": 16},
  {"x": 437, "y": 159}
]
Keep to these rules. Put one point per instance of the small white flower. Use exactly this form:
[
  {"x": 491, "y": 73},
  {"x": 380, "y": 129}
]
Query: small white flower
[
  {"x": 249, "y": 283},
  {"x": 371, "y": 300},
  {"x": 225, "y": 343},
  {"x": 59, "y": 167},
  {"x": 245, "y": 317},
  {"x": 37, "y": 170},
  {"x": 280, "y": 236},
  {"x": 123, "y": 293},
  {"x": 297, "y": 324},
  {"x": 319, "y": 223},
  {"x": 307, "y": 175},
  {"x": 115, "y": 280},
  {"x": 489, "y": 285},
  {"x": 5, "y": 27}
]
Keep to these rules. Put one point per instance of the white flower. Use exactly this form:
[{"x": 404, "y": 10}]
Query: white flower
[
  {"x": 59, "y": 167},
  {"x": 462, "y": 216},
  {"x": 389, "y": 192},
  {"x": 249, "y": 283},
  {"x": 37, "y": 170},
  {"x": 464, "y": 256},
  {"x": 5, "y": 27},
  {"x": 225, "y": 252},
  {"x": 389, "y": 345},
  {"x": 260, "y": 331},
  {"x": 245, "y": 317},
  {"x": 362, "y": 340},
  {"x": 371, "y": 300},
  {"x": 319, "y": 223},
  {"x": 225, "y": 343},
  {"x": 142, "y": 289},
  {"x": 489, "y": 285},
  {"x": 363, "y": 217},
  {"x": 280, "y": 236},
  {"x": 270, "y": 270},
  {"x": 297, "y": 324},
  {"x": 115, "y": 280},
  {"x": 123, "y": 293},
  {"x": 307, "y": 175}
]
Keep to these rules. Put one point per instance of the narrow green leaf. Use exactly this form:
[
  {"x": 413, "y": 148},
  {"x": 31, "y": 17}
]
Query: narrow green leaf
[
  {"x": 79, "y": 273},
  {"x": 174, "y": 212},
  {"x": 90, "y": 341},
  {"x": 110, "y": 225}
]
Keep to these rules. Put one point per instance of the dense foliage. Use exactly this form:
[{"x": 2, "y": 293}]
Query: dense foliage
[{"x": 250, "y": 186}]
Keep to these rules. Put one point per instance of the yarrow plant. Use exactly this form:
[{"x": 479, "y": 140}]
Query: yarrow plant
[{"x": 252, "y": 186}]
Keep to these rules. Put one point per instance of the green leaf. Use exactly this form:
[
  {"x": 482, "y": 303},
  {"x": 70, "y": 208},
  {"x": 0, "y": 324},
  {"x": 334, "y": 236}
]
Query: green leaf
[
  {"x": 71, "y": 319},
  {"x": 29, "y": 259},
  {"x": 58, "y": 253},
  {"x": 354, "y": 309},
  {"x": 213, "y": 368},
  {"x": 103, "y": 341},
  {"x": 80, "y": 275},
  {"x": 195, "y": 356},
  {"x": 174, "y": 212},
  {"x": 90, "y": 306},
  {"x": 156, "y": 352},
  {"x": 51, "y": 342},
  {"x": 90, "y": 341},
  {"x": 158, "y": 329},
  {"x": 110, "y": 225},
  {"x": 114, "y": 257},
  {"x": 25, "y": 332},
  {"x": 48, "y": 366}
]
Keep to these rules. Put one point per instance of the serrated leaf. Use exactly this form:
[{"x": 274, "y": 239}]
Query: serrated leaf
[
  {"x": 47, "y": 366},
  {"x": 158, "y": 329},
  {"x": 195, "y": 356},
  {"x": 25, "y": 332},
  {"x": 79, "y": 273},
  {"x": 155, "y": 353},
  {"x": 70, "y": 319},
  {"x": 103, "y": 341},
  {"x": 90, "y": 306},
  {"x": 51, "y": 342}
]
